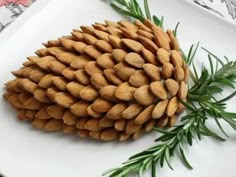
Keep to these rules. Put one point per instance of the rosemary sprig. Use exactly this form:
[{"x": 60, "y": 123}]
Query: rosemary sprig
[{"x": 201, "y": 106}]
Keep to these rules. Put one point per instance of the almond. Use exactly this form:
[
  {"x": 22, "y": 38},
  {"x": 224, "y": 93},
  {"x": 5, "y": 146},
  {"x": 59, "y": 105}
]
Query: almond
[
  {"x": 119, "y": 55},
  {"x": 134, "y": 59},
  {"x": 112, "y": 77},
  {"x": 179, "y": 73},
  {"x": 139, "y": 78},
  {"x": 105, "y": 61},
  {"x": 115, "y": 112},
  {"x": 125, "y": 92},
  {"x": 133, "y": 45},
  {"x": 163, "y": 56},
  {"x": 144, "y": 96},
  {"x": 172, "y": 86},
  {"x": 172, "y": 106},
  {"x": 167, "y": 70},
  {"x": 160, "y": 38},
  {"x": 152, "y": 71},
  {"x": 64, "y": 99},
  {"x": 103, "y": 46},
  {"x": 159, "y": 109},
  {"x": 158, "y": 89},
  {"x": 88, "y": 93},
  {"x": 132, "y": 111},
  {"x": 183, "y": 91},
  {"x": 101, "y": 105},
  {"x": 176, "y": 58},
  {"x": 145, "y": 115}
]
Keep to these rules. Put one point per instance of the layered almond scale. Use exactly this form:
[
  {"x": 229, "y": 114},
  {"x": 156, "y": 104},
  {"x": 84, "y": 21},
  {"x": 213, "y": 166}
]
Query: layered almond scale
[{"x": 111, "y": 81}]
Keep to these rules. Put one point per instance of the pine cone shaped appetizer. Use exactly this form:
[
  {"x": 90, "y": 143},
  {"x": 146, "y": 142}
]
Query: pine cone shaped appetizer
[{"x": 109, "y": 81}]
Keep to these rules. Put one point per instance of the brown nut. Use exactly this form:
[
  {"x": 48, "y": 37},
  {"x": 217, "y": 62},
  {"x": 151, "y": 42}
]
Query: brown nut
[
  {"x": 152, "y": 71},
  {"x": 172, "y": 106},
  {"x": 172, "y": 86},
  {"x": 144, "y": 96},
  {"x": 132, "y": 111},
  {"x": 134, "y": 59},
  {"x": 159, "y": 109},
  {"x": 158, "y": 89},
  {"x": 125, "y": 92},
  {"x": 139, "y": 78}
]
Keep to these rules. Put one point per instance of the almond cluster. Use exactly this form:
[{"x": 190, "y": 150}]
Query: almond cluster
[{"x": 111, "y": 81}]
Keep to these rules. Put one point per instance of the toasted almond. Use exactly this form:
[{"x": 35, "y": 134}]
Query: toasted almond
[
  {"x": 167, "y": 70},
  {"x": 132, "y": 111},
  {"x": 145, "y": 115},
  {"x": 78, "y": 35},
  {"x": 87, "y": 29},
  {"x": 120, "y": 125},
  {"x": 172, "y": 86},
  {"x": 149, "y": 44},
  {"x": 125, "y": 92},
  {"x": 141, "y": 26},
  {"x": 53, "y": 125},
  {"x": 124, "y": 136},
  {"x": 111, "y": 23},
  {"x": 81, "y": 122},
  {"x": 124, "y": 71},
  {"x": 109, "y": 135},
  {"x": 115, "y": 112},
  {"x": 163, "y": 56},
  {"x": 80, "y": 108},
  {"x": 179, "y": 73},
  {"x": 108, "y": 92},
  {"x": 98, "y": 80},
  {"x": 88, "y": 93},
  {"x": 116, "y": 42},
  {"x": 80, "y": 62},
  {"x": 79, "y": 47},
  {"x": 115, "y": 31},
  {"x": 134, "y": 59},
  {"x": 69, "y": 118},
  {"x": 67, "y": 57},
  {"x": 43, "y": 114},
  {"x": 159, "y": 109},
  {"x": 101, "y": 27},
  {"x": 64, "y": 99},
  {"x": 51, "y": 93},
  {"x": 172, "y": 106},
  {"x": 24, "y": 96},
  {"x": 92, "y": 51},
  {"x": 15, "y": 102},
  {"x": 93, "y": 113},
  {"x": 105, "y": 122},
  {"x": 176, "y": 58},
  {"x": 162, "y": 122},
  {"x": 173, "y": 40},
  {"x": 92, "y": 125},
  {"x": 103, "y": 46},
  {"x": 82, "y": 77},
  {"x": 59, "y": 82},
  {"x": 56, "y": 50},
  {"x": 172, "y": 120},
  {"x": 33, "y": 104},
  {"x": 83, "y": 133},
  {"x": 112, "y": 77},
  {"x": 133, "y": 45},
  {"x": 67, "y": 43},
  {"x": 145, "y": 34},
  {"x": 160, "y": 38},
  {"x": 132, "y": 127},
  {"x": 152, "y": 71},
  {"x": 128, "y": 33},
  {"x": 69, "y": 129},
  {"x": 128, "y": 25},
  {"x": 31, "y": 114},
  {"x": 46, "y": 81},
  {"x": 119, "y": 55},
  {"x": 42, "y": 52},
  {"x": 159, "y": 90},
  {"x": 56, "y": 111},
  {"x": 28, "y": 85},
  {"x": 144, "y": 96},
  {"x": 183, "y": 91},
  {"x": 149, "y": 125},
  {"x": 105, "y": 61},
  {"x": 69, "y": 73},
  {"x": 74, "y": 88},
  {"x": 57, "y": 67},
  {"x": 101, "y": 105},
  {"x": 36, "y": 75},
  {"x": 139, "y": 78},
  {"x": 92, "y": 68},
  {"x": 41, "y": 95},
  {"x": 39, "y": 123}
]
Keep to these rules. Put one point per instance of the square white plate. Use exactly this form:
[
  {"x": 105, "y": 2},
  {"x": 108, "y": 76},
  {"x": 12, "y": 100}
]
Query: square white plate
[{"x": 25, "y": 152}]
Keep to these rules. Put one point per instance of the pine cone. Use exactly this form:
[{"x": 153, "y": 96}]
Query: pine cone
[{"x": 111, "y": 81}]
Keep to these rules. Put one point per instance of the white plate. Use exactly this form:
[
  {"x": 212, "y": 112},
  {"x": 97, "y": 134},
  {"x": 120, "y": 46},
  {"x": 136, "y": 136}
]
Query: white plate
[{"x": 25, "y": 152}]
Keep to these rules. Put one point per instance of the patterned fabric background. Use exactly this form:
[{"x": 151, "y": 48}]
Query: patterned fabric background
[{"x": 11, "y": 9}]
